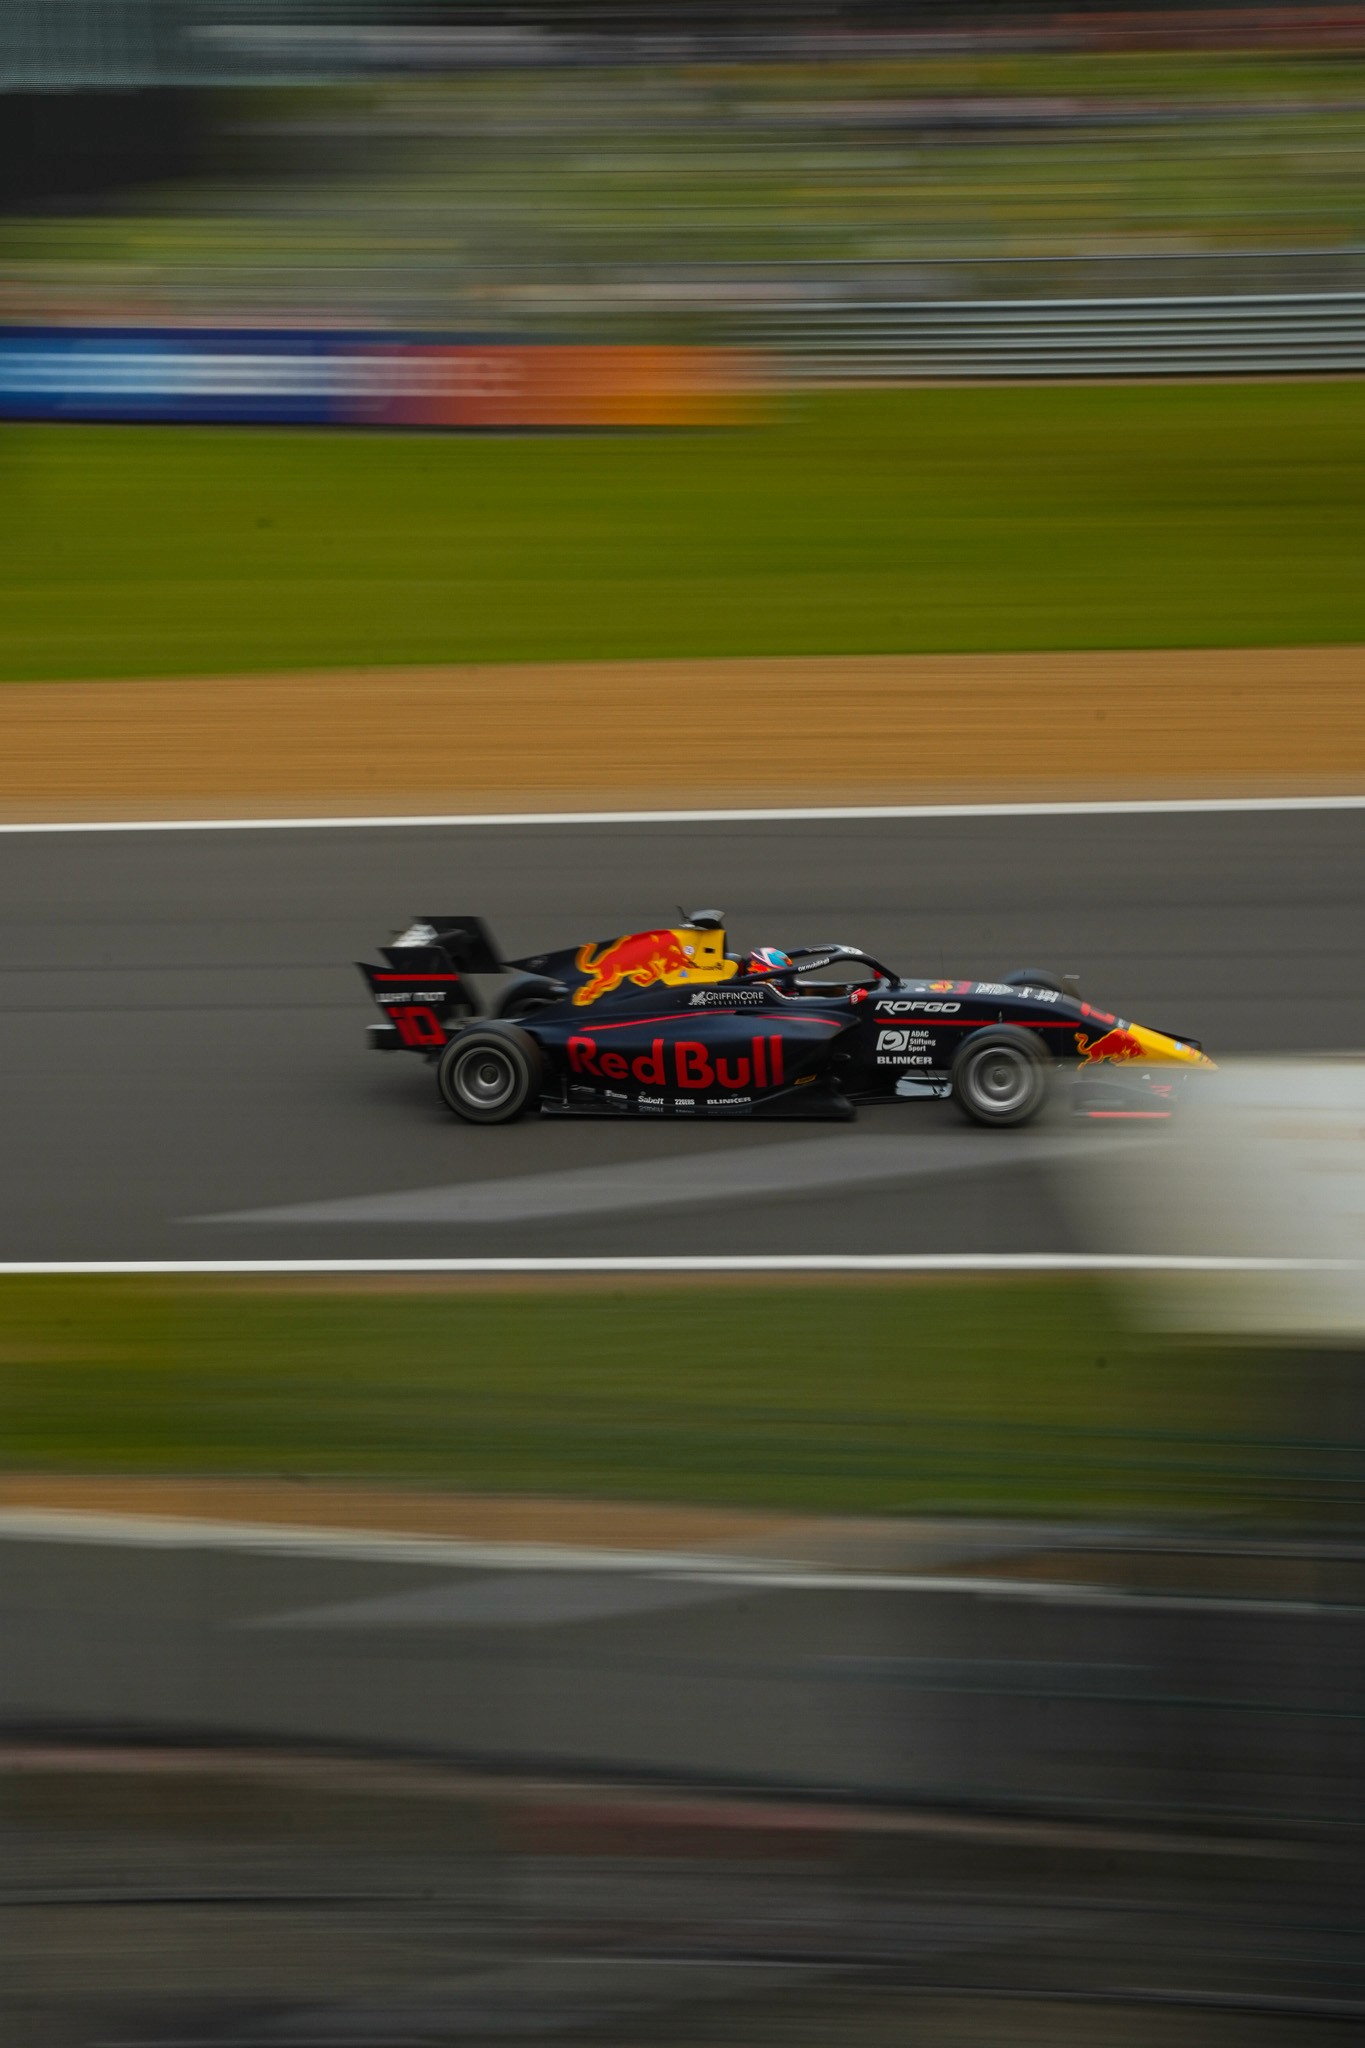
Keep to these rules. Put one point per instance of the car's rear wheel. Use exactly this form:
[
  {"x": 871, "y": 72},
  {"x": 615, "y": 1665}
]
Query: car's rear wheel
[
  {"x": 999, "y": 1077},
  {"x": 490, "y": 1074}
]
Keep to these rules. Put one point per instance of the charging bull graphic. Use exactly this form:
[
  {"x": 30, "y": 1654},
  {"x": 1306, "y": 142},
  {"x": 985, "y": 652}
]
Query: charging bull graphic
[
  {"x": 644, "y": 958},
  {"x": 1117, "y": 1045}
]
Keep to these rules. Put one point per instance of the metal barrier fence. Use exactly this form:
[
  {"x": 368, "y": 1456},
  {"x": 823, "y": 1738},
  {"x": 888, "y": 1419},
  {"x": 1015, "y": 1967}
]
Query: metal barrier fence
[{"x": 893, "y": 342}]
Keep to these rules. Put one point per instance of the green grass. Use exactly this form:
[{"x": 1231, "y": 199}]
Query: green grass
[
  {"x": 1018, "y": 1397},
  {"x": 870, "y": 523}
]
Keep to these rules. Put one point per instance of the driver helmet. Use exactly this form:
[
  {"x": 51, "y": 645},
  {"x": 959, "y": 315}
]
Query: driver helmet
[{"x": 764, "y": 958}]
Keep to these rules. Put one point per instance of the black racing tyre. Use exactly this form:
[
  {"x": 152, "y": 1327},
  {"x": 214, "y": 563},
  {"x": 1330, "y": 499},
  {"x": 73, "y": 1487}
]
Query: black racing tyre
[
  {"x": 1033, "y": 977},
  {"x": 490, "y": 1073},
  {"x": 999, "y": 1077}
]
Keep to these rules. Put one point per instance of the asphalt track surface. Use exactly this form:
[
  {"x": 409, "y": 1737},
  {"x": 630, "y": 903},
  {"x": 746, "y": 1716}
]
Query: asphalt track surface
[{"x": 181, "y": 1027}]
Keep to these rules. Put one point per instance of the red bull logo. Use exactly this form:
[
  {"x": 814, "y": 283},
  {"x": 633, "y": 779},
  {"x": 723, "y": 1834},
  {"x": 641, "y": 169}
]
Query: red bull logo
[
  {"x": 1117, "y": 1045},
  {"x": 641, "y": 957},
  {"x": 647, "y": 957}
]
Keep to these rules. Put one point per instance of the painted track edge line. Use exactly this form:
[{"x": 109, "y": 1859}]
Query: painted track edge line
[
  {"x": 1116, "y": 807},
  {"x": 719, "y": 1570},
  {"x": 702, "y": 1262}
]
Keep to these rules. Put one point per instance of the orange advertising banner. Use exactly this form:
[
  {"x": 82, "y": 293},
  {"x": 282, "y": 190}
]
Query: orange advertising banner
[
  {"x": 554, "y": 385},
  {"x": 241, "y": 376}
]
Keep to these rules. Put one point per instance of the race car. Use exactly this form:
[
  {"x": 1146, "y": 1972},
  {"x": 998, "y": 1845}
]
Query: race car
[{"x": 669, "y": 1023}]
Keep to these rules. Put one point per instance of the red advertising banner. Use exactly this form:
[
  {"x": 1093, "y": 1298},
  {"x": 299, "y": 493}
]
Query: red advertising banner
[{"x": 240, "y": 376}]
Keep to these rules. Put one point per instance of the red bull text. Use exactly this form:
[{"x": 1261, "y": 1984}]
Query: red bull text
[{"x": 695, "y": 1069}]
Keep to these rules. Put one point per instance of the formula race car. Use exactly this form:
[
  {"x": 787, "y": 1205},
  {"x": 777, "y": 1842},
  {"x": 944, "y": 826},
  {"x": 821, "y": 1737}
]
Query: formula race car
[{"x": 669, "y": 1023}]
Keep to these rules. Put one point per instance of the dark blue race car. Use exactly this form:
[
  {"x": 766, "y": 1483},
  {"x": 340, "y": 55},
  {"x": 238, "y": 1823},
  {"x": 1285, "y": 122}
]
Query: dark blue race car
[{"x": 670, "y": 1023}]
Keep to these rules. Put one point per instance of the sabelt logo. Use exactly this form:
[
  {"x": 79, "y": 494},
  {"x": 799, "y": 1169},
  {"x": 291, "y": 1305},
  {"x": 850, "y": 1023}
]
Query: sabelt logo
[{"x": 687, "y": 1065}]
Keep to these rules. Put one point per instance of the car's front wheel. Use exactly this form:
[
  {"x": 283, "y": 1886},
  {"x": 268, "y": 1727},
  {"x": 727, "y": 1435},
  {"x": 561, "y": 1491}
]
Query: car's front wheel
[
  {"x": 490, "y": 1073},
  {"x": 999, "y": 1077}
]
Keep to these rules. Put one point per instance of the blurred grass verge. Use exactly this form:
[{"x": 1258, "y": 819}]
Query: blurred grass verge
[
  {"x": 878, "y": 522},
  {"x": 1016, "y": 1397}
]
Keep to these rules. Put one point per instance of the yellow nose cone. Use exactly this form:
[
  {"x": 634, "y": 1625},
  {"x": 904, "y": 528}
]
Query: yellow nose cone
[{"x": 1170, "y": 1052}]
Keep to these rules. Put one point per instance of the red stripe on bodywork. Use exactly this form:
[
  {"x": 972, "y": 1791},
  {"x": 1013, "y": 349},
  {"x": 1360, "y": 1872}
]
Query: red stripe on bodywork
[
  {"x": 693, "y": 1017},
  {"x": 974, "y": 1023}
]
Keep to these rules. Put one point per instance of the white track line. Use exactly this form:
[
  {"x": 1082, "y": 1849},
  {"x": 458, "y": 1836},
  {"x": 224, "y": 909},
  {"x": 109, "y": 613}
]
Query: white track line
[
  {"x": 762, "y": 1262},
  {"x": 717, "y": 1571},
  {"x": 809, "y": 815}
]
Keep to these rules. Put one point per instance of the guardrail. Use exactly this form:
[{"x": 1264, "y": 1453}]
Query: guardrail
[{"x": 894, "y": 342}]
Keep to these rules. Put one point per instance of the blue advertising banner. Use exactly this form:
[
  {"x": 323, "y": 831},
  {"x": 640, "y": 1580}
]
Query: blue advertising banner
[
  {"x": 206, "y": 375},
  {"x": 232, "y": 376}
]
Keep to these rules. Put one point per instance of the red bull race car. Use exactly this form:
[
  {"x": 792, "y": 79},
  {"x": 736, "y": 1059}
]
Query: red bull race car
[{"x": 669, "y": 1023}]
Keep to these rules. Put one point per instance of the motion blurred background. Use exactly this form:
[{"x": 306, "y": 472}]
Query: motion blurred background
[{"x": 416, "y": 409}]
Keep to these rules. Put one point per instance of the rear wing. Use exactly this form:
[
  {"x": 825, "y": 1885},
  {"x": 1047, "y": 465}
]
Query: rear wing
[
  {"x": 466, "y": 942},
  {"x": 421, "y": 984}
]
